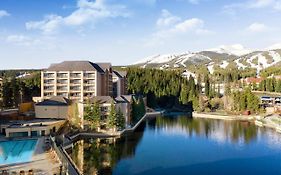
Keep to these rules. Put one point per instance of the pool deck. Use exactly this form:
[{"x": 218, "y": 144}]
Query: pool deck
[{"x": 43, "y": 162}]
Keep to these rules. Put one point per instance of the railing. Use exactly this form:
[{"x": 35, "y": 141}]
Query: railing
[{"x": 68, "y": 165}]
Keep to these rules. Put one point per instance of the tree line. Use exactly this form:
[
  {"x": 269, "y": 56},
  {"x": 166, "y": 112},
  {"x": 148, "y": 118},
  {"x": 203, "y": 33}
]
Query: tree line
[
  {"x": 163, "y": 88},
  {"x": 18, "y": 90}
]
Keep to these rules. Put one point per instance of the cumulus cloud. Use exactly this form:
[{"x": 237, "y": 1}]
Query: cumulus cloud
[
  {"x": 257, "y": 27},
  {"x": 175, "y": 26},
  {"x": 167, "y": 19},
  {"x": 87, "y": 12},
  {"x": 3, "y": 13}
]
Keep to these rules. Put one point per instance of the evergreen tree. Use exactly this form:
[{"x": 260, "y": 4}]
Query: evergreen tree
[
  {"x": 112, "y": 118},
  {"x": 207, "y": 86},
  {"x": 92, "y": 114},
  {"x": 278, "y": 86},
  {"x": 184, "y": 94},
  {"x": 120, "y": 124}
]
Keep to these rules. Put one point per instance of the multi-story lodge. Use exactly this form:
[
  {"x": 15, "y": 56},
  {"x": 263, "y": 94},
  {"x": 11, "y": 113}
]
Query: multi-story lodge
[
  {"x": 77, "y": 80},
  {"x": 119, "y": 83}
]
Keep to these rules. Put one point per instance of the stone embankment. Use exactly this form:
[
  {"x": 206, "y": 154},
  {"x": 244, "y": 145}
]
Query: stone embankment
[{"x": 225, "y": 117}]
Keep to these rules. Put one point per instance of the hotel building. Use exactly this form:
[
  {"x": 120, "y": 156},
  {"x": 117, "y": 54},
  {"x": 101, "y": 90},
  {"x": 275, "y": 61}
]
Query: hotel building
[{"x": 76, "y": 80}]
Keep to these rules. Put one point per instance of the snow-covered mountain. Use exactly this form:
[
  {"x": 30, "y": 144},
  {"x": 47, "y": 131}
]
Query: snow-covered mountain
[
  {"x": 236, "y": 49},
  {"x": 220, "y": 57}
]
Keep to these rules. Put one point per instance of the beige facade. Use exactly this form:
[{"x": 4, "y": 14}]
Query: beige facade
[
  {"x": 76, "y": 80},
  {"x": 32, "y": 128},
  {"x": 58, "y": 112}
]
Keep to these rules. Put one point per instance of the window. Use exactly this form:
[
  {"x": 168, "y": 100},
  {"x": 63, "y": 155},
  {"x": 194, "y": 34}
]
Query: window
[{"x": 34, "y": 133}]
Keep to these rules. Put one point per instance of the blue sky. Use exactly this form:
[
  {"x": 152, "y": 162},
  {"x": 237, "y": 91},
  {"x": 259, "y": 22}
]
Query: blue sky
[{"x": 34, "y": 34}]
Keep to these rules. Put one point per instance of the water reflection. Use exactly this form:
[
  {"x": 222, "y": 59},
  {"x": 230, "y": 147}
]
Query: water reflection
[
  {"x": 218, "y": 130},
  {"x": 99, "y": 156},
  {"x": 102, "y": 156}
]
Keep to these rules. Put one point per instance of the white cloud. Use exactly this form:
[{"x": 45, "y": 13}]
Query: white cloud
[
  {"x": 21, "y": 40},
  {"x": 257, "y": 27},
  {"x": 175, "y": 26},
  {"x": 50, "y": 24},
  {"x": 252, "y": 4},
  {"x": 87, "y": 12},
  {"x": 167, "y": 19},
  {"x": 3, "y": 13},
  {"x": 193, "y": 25}
]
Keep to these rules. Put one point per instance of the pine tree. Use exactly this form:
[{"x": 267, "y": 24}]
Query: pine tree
[
  {"x": 207, "y": 86},
  {"x": 92, "y": 114},
  {"x": 184, "y": 94},
  {"x": 112, "y": 118},
  {"x": 278, "y": 86},
  {"x": 96, "y": 115},
  {"x": 120, "y": 124}
]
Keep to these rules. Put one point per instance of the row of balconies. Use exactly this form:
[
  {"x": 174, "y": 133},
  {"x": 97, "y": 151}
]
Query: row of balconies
[
  {"x": 72, "y": 88},
  {"x": 65, "y": 94},
  {"x": 65, "y": 75},
  {"x": 71, "y": 81}
]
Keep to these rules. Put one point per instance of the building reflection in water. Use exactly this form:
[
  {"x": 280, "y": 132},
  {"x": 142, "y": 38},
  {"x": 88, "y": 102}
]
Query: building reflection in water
[{"x": 99, "y": 156}]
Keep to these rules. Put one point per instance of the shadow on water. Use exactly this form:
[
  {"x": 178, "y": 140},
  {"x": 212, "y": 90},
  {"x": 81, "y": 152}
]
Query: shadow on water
[{"x": 102, "y": 155}]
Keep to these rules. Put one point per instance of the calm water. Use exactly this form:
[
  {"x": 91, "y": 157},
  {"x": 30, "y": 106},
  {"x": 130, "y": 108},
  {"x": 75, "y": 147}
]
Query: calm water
[{"x": 181, "y": 145}]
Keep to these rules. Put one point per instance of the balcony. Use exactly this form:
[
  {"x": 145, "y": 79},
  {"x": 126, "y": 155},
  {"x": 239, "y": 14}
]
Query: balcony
[
  {"x": 64, "y": 89},
  {"x": 62, "y": 94},
  {"x": 62, "y": 82},
  {"x": 49, "y": 82},
  {"x": 75, "y": 89},
  {"x": 87, "y": 88},
  {"x": 75, "y": 82},
  {"x": 48, "y": 94},
  {"x": 75, "y": 95},
  {"x": 89, "y": 75},
  {"x": 49, "y": 75},
  {"x": 89, "y": 82},
  {"x": 75, "y": 75}
]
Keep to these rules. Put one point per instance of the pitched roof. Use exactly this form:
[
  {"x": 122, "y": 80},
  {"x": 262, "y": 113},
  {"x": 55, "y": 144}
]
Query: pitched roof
[
  {"x": 54, "y": 101},
  {"x": 104, "y": 66},
  {"x": 102, "y": 99},
  {"x": 75, "y": 66},
  {"x": 120, "y": 74}
]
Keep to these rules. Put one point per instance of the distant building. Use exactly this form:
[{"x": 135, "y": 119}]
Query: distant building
[
  {"x": 251, "y": 80},
  {"x": 121, "y": 102},
  {"x": 76, "y": 80},
  {"x": 119, "y": 83},
  {"x": 267, "y": 100}
]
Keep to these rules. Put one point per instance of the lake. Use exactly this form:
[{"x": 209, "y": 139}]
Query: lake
[{"x": 182, "y": 145}]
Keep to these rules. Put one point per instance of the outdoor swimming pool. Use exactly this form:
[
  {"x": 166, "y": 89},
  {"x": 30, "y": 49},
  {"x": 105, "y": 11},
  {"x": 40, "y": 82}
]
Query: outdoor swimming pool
[{"x": 16, "y": 151}]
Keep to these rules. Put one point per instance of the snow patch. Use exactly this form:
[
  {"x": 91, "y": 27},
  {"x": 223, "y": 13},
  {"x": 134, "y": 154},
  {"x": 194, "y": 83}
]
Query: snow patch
[
  {"x": 211, "y": 67},
  {"x": 224, "y": 64},
  {"x": 236, "y": 49}
]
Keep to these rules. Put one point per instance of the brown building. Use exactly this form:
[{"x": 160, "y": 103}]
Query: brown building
[
  {"x": 119, "y": 82},
  {"x": 76, "y": 80}
]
